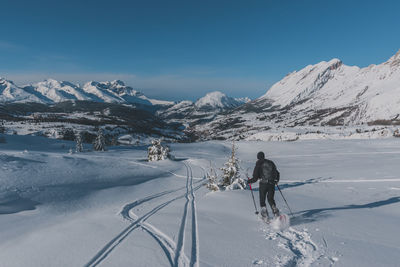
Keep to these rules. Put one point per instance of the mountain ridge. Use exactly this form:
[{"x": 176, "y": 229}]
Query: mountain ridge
[
  {"x": 328, "y": 93},
  {"x": 51, "y": 91}
]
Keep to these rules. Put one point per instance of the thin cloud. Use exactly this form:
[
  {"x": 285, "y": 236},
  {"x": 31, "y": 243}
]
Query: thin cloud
[{"x": 8, "y": 46}]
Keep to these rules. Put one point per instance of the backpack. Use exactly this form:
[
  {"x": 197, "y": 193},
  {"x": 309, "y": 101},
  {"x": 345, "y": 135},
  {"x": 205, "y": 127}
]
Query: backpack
[{"x": 269, "y": 172}]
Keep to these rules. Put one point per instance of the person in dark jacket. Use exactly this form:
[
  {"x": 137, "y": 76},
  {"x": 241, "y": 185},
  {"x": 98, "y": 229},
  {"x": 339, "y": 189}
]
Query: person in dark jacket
[{"x": 265, "y": 171}]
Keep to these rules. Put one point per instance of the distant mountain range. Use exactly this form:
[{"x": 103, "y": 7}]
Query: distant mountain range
[
  {"x": 51, "y": 91},
  {"x": 65, "y": 107},
  {"x": 325, "y": 94},
  {"x": 203, "y": 110}
]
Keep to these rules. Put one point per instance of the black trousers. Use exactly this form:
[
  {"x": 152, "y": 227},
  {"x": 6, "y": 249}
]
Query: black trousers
[{"x": 267, "y": 190}]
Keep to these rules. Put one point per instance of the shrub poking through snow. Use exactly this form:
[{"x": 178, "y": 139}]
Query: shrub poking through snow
[
  {"x": 157, "y": 151},
  {"x": 212, "y": 178},
  {"x": 396, "y": 133},
  {"x": 231, "y": 175},
  {"x": 100, "y": 141},
  {"x": 114, "y": 141},
  {"x": 79, "y": 143}
]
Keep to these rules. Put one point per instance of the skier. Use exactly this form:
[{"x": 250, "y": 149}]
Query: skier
[{"x": 266, "y": 171}]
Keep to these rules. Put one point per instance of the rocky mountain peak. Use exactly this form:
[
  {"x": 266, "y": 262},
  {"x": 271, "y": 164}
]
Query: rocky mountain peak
[
  {"x": 395, "y": 59},
  {"x": 335, "y": 64},
  {"x": 216, "y": 100}
]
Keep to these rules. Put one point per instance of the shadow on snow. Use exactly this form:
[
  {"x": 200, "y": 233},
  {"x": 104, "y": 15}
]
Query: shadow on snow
[
  {"x": 308, "y": 216},
  {"x": 296, "y": 184},
  {"x": 13, "y": 203}
]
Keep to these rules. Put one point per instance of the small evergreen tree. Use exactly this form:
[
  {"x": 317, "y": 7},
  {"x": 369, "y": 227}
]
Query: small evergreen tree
[
  {"x": 157, "y": 151},
  {"x": 231, "y": 172},
  {"x": 100, "y": 141},
  {"x": 79, "y": 144}
]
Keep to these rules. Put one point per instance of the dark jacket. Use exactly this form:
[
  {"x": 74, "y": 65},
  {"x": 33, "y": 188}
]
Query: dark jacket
[{"x": 266, "y": 171}]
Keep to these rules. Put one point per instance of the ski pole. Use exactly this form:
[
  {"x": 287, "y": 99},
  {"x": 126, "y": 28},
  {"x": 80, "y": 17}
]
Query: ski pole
[
  {"x": 251, "y": 189},
  {"x": 291, "y": 213}
]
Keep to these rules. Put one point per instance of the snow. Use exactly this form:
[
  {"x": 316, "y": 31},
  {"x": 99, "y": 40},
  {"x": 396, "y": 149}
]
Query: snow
[
  {"x": 55, "y": 91},
  {"x": 281, "y": 223},
  {"x": 312, "y": 103},
  {"x": 217, "y": 100},
  {"x": 52, "y": 91},
  {"x": 114, "y": 208},
  {"x": 374, "y": 89},
  {"x": 10, "y": 92}
]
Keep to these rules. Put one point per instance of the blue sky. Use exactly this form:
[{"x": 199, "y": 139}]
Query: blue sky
[{"x": 183, "y": 49}]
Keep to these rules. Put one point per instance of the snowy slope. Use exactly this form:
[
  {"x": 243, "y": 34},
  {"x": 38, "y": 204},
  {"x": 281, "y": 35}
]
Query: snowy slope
[
  {"x": 55, "y": 91},
  {"x": 110, "y": 92},
  {"x": 374, "y": 91},
  {"x": 115, "y": 209},
  {"x": 9, "y": 92}
]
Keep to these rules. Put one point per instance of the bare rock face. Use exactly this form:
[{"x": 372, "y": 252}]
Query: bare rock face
[{"x": 395, "y": 60}]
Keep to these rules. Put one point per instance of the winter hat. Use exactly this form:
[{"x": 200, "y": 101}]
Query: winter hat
[{"x": 260, "y": 155}]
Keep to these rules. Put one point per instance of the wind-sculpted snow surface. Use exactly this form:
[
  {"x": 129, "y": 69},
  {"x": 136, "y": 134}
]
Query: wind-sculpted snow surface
[{"x": 114, "y": 208}]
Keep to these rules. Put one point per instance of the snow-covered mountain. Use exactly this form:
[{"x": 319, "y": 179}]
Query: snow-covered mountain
[
  {"x": 52, "y": 91},
  {"x": 203, "y": 110},
  {"x": 328, "y": 93},
  {"x": 367, "y": 94},
  {"x": 218, "y": 101},
  {"x": 9, "y": 92},
  {"x": 325, "y": 94}
]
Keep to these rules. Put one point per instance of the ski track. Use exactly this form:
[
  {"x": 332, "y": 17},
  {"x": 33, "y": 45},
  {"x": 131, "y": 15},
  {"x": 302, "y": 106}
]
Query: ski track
[
  {"x": 195, "y": 258},
  {"x": 305, "y": 251},
  {"x": 180, "y": 257},
  {"x": 174, "y": 251}
]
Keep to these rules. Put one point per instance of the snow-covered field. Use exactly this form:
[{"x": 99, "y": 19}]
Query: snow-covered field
[{"x": 115, "y": 209}]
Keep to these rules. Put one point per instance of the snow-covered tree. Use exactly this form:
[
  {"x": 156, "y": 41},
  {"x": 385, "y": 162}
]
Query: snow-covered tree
[
  {"x": 157, "y": 151},
  {"x": 100, "y": 141},
  {"x": 79, "y": 144},
  {"x": 231, "y": 172}
]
